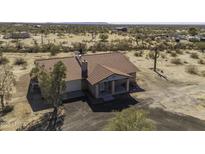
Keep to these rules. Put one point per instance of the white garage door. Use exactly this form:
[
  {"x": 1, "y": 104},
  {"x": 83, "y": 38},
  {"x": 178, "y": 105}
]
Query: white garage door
[{"x": 73, "y": 85}]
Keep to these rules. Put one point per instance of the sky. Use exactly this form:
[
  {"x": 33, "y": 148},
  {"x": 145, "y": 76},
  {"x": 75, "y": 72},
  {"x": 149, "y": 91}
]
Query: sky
[{"x": 112, "y": 11}]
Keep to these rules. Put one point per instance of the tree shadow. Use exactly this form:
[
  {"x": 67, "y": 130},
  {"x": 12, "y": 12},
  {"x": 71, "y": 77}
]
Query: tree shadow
[
  {"x": 161, "y": 76},
  {"x": 159, "y": 73},
  {"x": 36, "y": 101}
]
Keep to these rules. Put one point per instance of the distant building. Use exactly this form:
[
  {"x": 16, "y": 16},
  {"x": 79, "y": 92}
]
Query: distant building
[
  {"x": 121, "y": 29},
  {"x": 37, "y": 26},
  {"x": 202, "y": 38},
  {"x": 17, "y": 35},
  {"x": 194, "y": 38}
]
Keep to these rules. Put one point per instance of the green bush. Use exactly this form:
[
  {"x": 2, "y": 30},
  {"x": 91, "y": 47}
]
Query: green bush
[{"x": 130, "y": 119}]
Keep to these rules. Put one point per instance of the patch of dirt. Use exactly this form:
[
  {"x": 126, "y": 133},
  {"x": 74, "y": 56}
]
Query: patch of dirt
[{"x": 180, "y": 93}]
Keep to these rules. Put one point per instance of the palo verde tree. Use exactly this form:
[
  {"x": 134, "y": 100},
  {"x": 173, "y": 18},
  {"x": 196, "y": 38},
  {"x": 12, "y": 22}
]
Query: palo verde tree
[
  {"x": 7, "y": 82},
  {"x": 52, "y": 85}
]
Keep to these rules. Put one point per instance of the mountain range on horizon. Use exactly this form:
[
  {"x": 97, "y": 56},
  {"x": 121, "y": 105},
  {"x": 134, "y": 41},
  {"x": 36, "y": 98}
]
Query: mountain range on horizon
[{"x": 115, "y": 23}]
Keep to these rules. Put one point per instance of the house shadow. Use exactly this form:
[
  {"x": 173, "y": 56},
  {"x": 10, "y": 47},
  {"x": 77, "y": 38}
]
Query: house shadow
[
  {"x": 136, "y": 88},
  {"x": 119, "y": 103}
]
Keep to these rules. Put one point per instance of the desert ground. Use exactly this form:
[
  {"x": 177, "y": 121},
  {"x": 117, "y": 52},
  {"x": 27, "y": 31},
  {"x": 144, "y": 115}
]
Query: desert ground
[
  {"x": 178, "y": 92},
  {"x": 169, "y": 94}
]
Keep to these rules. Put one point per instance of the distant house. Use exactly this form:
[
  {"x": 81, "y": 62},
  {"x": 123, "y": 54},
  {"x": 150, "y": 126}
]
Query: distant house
[
  {"x": 103, "y": 76},
  {"x": 121, "y": 29},
  {"x": 37, "y": 26},
  {"x": 202, "y": 38},
  {"x": 17, "y": 35},
  {"x": 194, "y": 38}
]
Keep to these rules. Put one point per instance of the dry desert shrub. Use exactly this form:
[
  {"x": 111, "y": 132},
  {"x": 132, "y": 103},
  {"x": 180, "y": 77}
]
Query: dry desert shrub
[
  {"x": 201, "y": 61},
  {"x": 151, "y": 54},
  {"x": 203, "y": 73},
  {"x": 3, "y": 60},
  {"x": 20, "y": 61},
  {"x": 163, "y": 56},
  {"x": 173, "y": 54},
  {"x": 169, "y": 51},
  {"x": 179, "y": 52},
  {"x": 176, "y": 61},
  {"x": 139, "y": 53},
  {"x": 194, "y": 55},
  {"x": 192, "y": 69}
]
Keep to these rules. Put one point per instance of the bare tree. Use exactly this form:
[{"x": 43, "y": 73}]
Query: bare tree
[{"x": 7, "y": 81}]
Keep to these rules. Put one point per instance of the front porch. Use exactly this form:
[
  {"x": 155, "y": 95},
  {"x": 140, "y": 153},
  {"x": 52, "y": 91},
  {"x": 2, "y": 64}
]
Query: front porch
[{"x": 107, "y": 89}]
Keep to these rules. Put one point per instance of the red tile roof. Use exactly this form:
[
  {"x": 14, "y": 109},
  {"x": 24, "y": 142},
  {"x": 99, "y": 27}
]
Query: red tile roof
[
  {"x": 115, "y": 63},
  {"x": 101, "y": 72}
]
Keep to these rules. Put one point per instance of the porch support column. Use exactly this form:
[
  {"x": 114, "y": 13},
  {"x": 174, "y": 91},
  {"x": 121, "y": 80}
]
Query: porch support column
[
  {"x": 113, "y": 87},
  {"x": 128, "y": 85},
  {"x": 96, "y": 91}
]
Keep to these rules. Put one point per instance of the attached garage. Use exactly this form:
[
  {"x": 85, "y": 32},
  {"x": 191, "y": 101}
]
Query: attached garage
[{"x": 73, "y": 85}]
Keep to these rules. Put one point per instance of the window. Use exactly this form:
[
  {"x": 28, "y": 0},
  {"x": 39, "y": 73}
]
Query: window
[{"x": 102, "y": 86}]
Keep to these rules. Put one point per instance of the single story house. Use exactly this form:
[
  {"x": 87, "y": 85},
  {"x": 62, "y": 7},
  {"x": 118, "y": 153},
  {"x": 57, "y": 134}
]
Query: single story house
[
  {"x": 120, "y": 29},
  {"x": 102, "y": 75}
]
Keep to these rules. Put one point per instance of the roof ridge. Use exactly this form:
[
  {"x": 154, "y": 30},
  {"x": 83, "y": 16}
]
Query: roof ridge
[
  {"x": 52, "y": 58},
  {"x": 104, "y": 53},
  {"x": 113, "y": 70}
]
